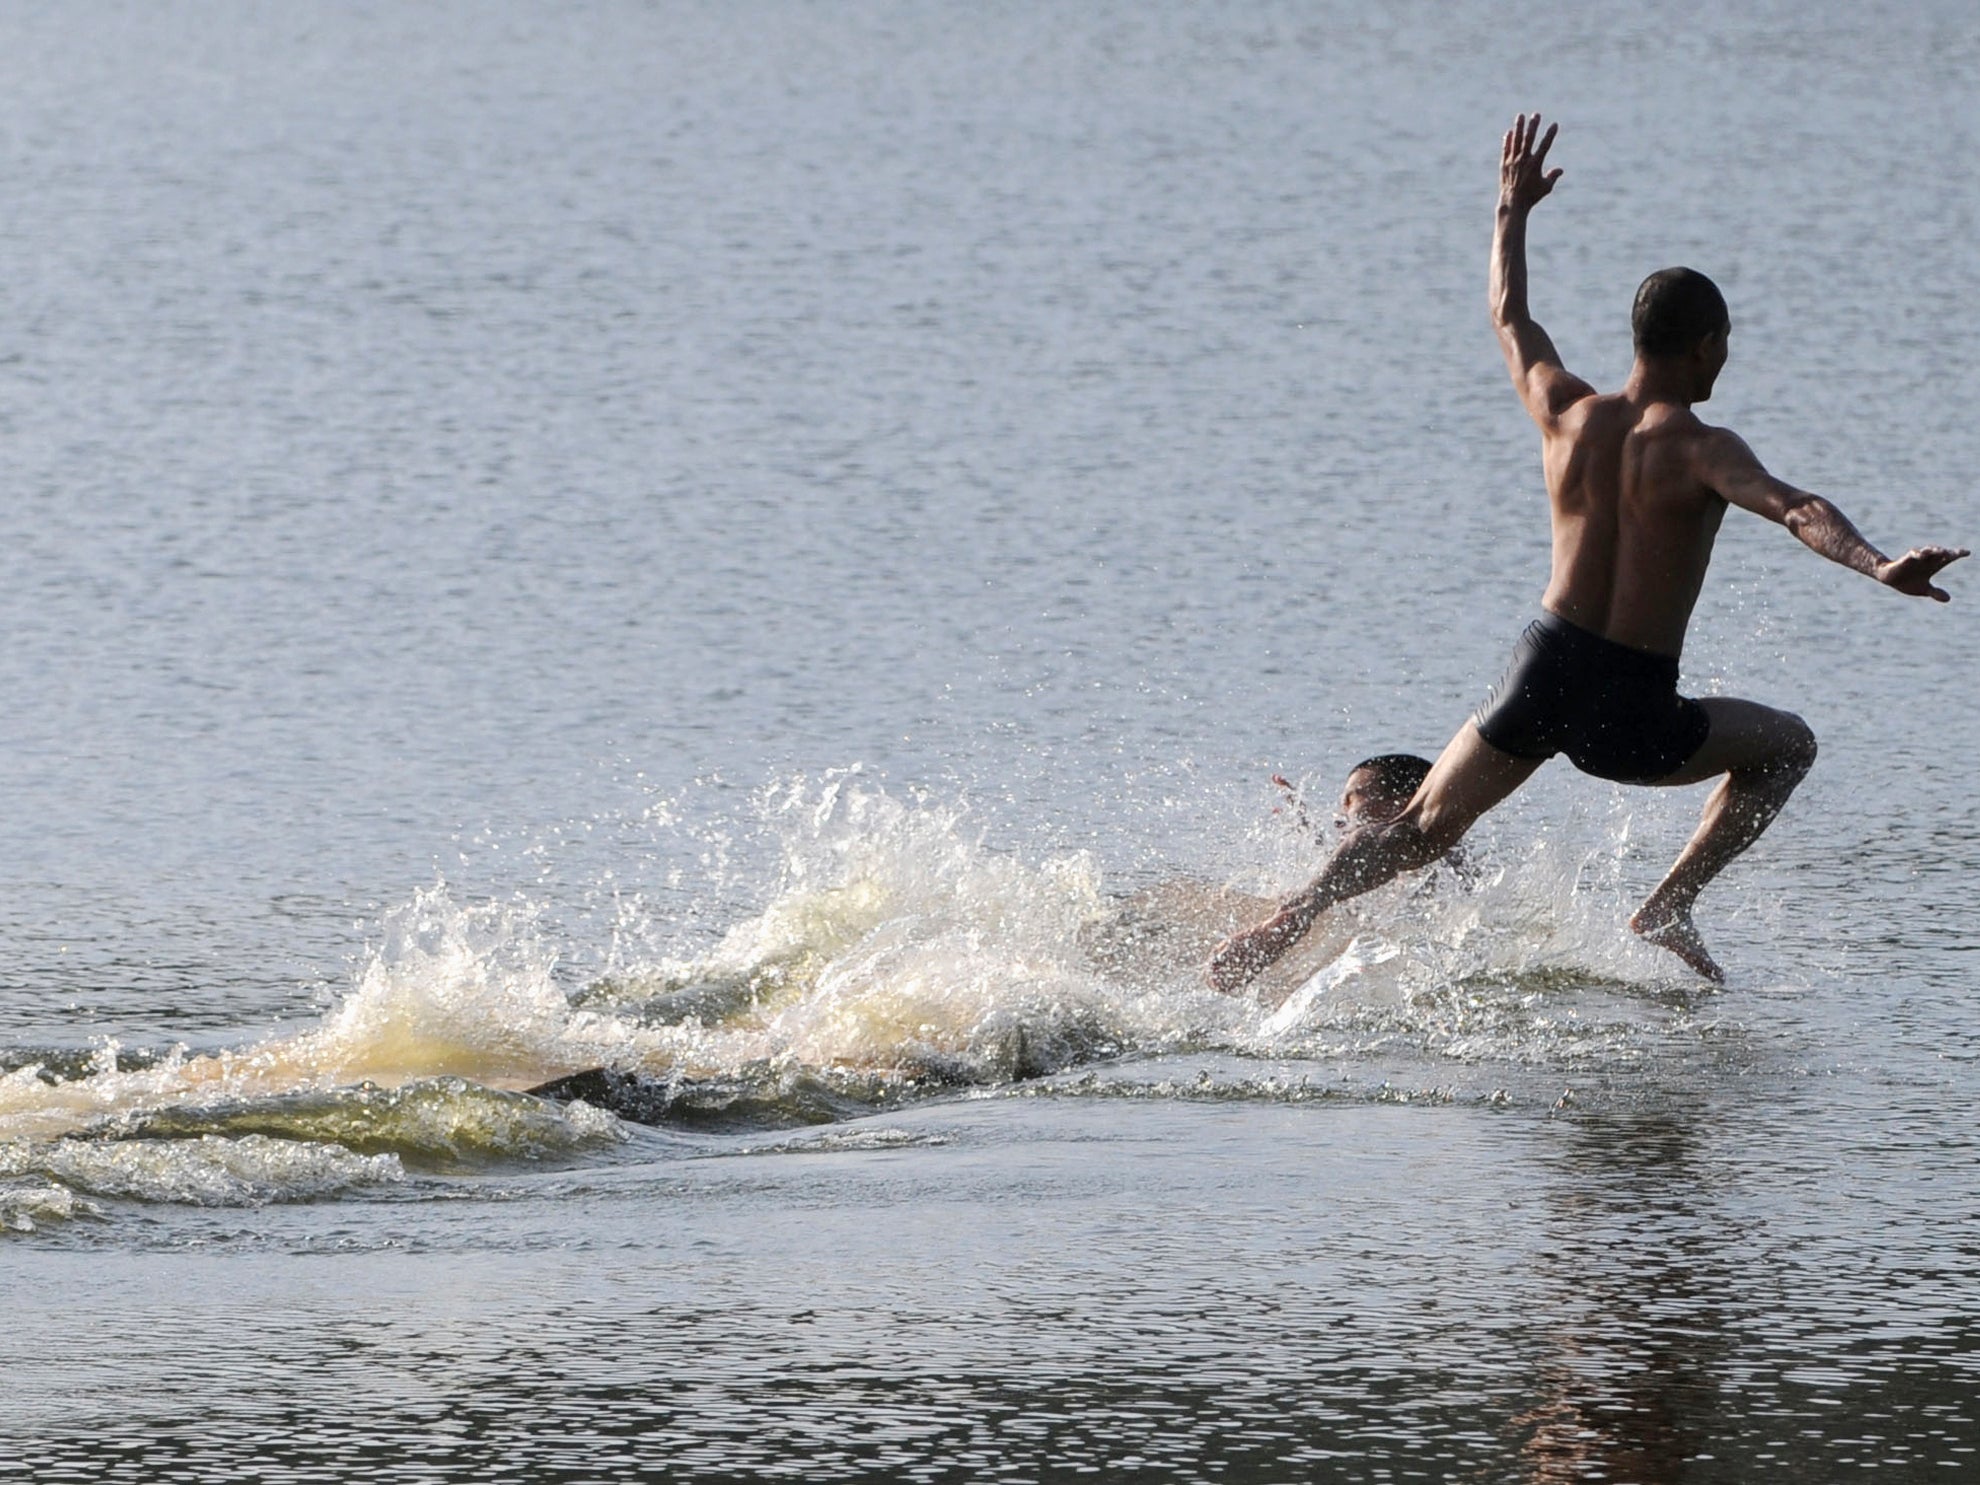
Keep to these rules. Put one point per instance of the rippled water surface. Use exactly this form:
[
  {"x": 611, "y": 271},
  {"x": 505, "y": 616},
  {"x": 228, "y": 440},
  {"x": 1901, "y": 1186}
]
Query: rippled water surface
[{"x": 644, "y": 650}]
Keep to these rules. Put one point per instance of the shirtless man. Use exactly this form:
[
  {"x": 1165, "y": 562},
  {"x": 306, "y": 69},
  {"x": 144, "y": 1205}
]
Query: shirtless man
[{"x": 1638, "y": 486}]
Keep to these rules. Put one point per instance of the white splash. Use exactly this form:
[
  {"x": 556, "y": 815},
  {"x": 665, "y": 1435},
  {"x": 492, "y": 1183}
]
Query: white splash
[
  {"x": 210, "y": 1171},
  {"x": 894, "y": 943}
]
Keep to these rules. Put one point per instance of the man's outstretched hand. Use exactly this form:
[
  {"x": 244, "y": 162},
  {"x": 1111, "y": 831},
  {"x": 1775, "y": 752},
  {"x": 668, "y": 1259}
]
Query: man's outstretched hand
[
  {"x": 1913, "y": 572},
  {"x": 1524, "y": 179}
]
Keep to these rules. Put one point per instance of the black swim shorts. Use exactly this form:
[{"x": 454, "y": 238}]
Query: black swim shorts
[{"x": 1612, "y": 709}]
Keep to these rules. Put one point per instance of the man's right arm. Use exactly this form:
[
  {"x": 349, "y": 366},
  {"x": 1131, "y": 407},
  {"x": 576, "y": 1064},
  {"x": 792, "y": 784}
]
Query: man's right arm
[
  {"x": 1546, "y": 387},
  {"x": 1728, "y": 467}
]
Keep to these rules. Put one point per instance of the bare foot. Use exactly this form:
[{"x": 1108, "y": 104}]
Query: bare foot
[
  {"x": 1248, "y": 954},
  {"x": 1675, "y": 931}
]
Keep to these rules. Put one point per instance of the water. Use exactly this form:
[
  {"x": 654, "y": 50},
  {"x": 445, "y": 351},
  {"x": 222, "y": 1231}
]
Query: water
[{"x": 771, "y": 551}]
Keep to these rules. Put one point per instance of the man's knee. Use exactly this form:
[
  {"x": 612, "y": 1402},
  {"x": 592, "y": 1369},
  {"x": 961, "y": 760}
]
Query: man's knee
[
  {"x": 1798, "y": 748},
  {"x": 1790, "y": 753}
]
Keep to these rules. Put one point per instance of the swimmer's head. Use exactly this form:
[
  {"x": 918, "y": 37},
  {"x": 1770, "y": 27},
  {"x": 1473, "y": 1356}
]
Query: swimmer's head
[{"x": 1377, "y": 788}]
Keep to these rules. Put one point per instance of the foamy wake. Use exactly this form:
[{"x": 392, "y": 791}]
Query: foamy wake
[
  {"x": 895, "y": 949},
  {"x": 206, "y": 1171}
]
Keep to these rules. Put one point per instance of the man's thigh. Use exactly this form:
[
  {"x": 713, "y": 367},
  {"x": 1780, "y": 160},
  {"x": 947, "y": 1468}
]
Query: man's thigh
[
  {"x": 1469, "y": 777},
  {"x": 1744, "y": 735}
]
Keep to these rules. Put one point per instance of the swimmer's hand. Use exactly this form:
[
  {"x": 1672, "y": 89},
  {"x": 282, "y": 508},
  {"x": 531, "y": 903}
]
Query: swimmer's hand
[
  {"x": 1913, "y": 572},
  {"x": 1295, "y": 802},
  {"x": 1524, "y": 179},
  {"x": 1243, "y": 958}
]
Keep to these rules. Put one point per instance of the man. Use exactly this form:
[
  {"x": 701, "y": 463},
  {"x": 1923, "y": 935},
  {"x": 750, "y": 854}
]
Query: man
[
  {"x": 1376, "y": 789},
  {"x": 1637, "y": 485}
]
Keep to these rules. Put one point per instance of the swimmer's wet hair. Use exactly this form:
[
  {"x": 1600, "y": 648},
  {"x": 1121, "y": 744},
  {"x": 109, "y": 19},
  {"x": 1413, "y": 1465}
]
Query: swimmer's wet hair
[
  {"x": 1675, "y": 309},
  {"x": 1400, "y": 773}
]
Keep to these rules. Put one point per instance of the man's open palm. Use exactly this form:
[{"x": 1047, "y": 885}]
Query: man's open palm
[{"x": 1523, "y": 174}]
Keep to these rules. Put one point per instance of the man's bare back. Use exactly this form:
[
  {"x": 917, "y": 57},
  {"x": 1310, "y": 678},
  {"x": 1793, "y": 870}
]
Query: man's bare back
[
  {"x": 1638, "y": 486},
  {"x": 1633, "y": 522}
]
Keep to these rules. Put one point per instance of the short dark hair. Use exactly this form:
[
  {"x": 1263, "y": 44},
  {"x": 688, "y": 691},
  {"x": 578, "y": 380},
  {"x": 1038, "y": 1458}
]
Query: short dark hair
[
  {"x": 1675, "y": 309},
  {"x": 1399, "y": 773}
]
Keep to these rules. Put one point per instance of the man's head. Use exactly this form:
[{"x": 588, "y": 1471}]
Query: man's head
[
  {"x": 1680, "y": 318},
  {"x": 1378, "y": 788}
]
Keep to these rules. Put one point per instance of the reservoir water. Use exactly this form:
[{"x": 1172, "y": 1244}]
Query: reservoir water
[{"x": 644, "y": 643}]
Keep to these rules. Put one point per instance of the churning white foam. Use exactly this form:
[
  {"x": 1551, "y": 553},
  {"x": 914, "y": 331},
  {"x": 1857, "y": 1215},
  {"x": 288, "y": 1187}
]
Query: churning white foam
[
  {"x": 896, "y": 944},
  {"x": 208, "y": 1171},
  {"x": 26, "y": 1206}
]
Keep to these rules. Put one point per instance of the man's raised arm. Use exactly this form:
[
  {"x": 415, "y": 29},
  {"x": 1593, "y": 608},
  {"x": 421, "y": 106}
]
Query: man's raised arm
[
  {"x": 1729, "y": 467},
  {"x": 1544, "y": 385}
]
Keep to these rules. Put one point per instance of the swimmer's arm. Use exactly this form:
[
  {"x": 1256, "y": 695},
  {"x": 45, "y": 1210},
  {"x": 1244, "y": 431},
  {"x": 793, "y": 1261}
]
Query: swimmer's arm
[
  {"x": 1729, "y": 467},
  {"x": 1546, "y": 387}
]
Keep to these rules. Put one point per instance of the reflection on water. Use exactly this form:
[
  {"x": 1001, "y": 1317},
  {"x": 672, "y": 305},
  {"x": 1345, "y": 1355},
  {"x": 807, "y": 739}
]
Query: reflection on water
[
  {"x": 1682, "y": 1341},
  {"x": 1640, "y": 1308}
]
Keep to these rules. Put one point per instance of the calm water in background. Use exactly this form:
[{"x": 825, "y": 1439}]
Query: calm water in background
[{"x": 717, "y": 541}]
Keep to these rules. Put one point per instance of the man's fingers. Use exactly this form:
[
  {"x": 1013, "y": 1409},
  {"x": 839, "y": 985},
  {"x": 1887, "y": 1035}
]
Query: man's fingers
[
  {"x": 1922, "y": 564},
  {"x": 1934, "y": 558},
  {"x": 1519, "y": 144}
]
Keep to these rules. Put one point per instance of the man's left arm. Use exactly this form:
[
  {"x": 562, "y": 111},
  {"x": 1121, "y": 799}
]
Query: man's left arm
[{"x": 1729, "y": 467}]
